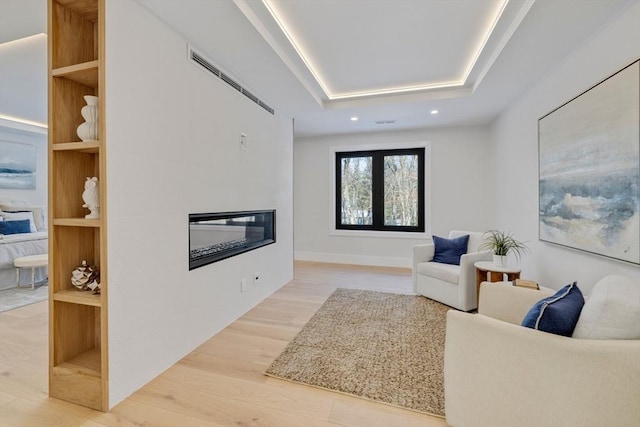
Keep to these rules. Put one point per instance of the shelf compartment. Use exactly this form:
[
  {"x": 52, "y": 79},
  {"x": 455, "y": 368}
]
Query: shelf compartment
[
  {"x": 71, "y": 245},
  {"x": 76, "y": 335},
  {"x": 90, "y": 147},
  {"x": 73, "y": 32},
  {"x": 79, "y": 380},
  {"x": 75, "y": 296},
  {"x": 67, "y": 100},
  {"x": 69, "y": 172},
  {"x": 76, "y": 222},
  {"x": 84, "y": 8},
  {"x": 85, "y": 73}
]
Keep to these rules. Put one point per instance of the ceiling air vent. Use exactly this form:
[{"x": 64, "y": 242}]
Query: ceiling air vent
[
  {"x": 384, "y": 122},
  {"x": 199, "y": 60}
]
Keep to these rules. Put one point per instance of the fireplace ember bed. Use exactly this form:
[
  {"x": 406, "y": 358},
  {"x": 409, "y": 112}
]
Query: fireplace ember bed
[{"x": 220, "y": 235}]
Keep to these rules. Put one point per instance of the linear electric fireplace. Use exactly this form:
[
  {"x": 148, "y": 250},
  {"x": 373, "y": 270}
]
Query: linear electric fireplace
[{"x": 217, "y": 236}]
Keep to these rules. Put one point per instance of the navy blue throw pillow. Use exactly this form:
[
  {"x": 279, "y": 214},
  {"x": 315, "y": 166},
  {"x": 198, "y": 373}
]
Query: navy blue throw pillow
[
  {"x": 449, "y": 251},
  {"x": 15, "y": 227},
  {"x": 557, "y": 314}
]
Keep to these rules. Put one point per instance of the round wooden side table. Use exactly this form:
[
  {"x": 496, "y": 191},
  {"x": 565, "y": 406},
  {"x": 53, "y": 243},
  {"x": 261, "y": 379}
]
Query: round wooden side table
[{"x": 487, "y": 271}]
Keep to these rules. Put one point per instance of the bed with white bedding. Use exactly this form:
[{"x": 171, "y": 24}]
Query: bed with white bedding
[{"x": 13, "y": 246}]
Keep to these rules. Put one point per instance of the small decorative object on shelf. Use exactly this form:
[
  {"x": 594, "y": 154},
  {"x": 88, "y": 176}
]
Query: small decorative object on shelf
[
  {"x": 95, "y": 286},
  {"x": 91, "y": 198},
  {"x": 84, "y": 277},
  {"x": 502, "y": 244},
  {"x": 88, "y": 131}
]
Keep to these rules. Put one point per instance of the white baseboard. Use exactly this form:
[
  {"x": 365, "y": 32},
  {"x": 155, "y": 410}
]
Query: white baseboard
[{"x": 353, "y": 259}]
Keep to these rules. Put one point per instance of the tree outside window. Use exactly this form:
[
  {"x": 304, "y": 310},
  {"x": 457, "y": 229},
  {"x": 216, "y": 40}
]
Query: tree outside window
[
  {"x": 356, "y": 190},
  {"x": 380, "y": 190}
]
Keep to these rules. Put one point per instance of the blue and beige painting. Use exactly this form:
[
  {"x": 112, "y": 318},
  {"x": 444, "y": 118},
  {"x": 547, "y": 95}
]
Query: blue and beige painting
[
  {"x": 17, "y": 165},
  {"x": 590, "y": 170}
]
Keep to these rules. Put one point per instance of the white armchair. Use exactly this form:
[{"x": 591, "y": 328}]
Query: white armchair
[
  {"x": 500, "y": 374},
  {"x": 453, "y": 285}
]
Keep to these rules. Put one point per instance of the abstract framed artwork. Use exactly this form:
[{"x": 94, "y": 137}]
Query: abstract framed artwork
[
  {"x": 17, "y": 165},
  {"x": 589, "y": 169}
]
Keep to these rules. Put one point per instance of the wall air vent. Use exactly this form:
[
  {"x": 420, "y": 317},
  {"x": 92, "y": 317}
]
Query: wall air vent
[
  {"x": 199, "y": 60},
  {"x": 203, "y": 63}
]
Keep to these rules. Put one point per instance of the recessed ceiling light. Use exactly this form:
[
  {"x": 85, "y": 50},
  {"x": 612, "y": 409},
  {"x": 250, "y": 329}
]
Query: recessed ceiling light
[
  {"x": 354, "y": 119},
  {"x": 433, "y": 112}
]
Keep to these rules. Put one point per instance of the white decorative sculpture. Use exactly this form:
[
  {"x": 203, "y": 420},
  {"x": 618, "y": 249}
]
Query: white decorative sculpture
[
  {"x": 88, "y": 131},
  {"x": 91, "y": 198}
]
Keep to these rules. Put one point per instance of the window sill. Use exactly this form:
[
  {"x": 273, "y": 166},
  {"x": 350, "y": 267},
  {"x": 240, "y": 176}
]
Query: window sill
[{"x": 379, "y": 234}]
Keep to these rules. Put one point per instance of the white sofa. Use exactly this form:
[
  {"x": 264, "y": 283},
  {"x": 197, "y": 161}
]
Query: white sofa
[
  {"x": 452, "y": 285},
  {"x": 500, "y": 374}
]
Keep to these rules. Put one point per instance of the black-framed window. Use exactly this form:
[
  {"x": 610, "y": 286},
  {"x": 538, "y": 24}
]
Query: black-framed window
[{"x": 380, "y": 190}]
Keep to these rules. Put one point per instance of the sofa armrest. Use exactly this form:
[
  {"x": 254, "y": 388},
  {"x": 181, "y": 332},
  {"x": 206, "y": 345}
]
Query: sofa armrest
[
  {"x": 467, "y": 269},
  {"x": 467, "y": 289},
  {"x": 421, "y": 253},
  {"x": 473, "y": 257},
  {"x": 498, "y": 374},
  {"x": 503, "y": 301}
]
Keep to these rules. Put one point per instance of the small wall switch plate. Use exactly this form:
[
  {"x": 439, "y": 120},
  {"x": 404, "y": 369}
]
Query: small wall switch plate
[
  {"x": 243, "y": 285},
  {"x": 243, "y": 141},
  {"x": 256, "y": 278}
]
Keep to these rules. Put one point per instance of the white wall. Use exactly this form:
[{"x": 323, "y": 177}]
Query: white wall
[
  {"x": 515, "y": 148},
  {"x": 459, "y": 180},
  {"x": 23, "y": 95},
  {"x": 173, "y": 148},
  {"x": 23, "y": 78},
  {"x": 37, "y": 138}
]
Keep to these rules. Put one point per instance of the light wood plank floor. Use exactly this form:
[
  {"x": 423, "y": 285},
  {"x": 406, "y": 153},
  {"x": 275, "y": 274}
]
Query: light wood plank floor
[{"x": 221, "y": 382}]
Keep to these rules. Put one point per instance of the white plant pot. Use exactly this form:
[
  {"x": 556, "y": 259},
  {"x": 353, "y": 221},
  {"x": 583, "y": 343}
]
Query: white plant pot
[{"x": 500, "y": 260}]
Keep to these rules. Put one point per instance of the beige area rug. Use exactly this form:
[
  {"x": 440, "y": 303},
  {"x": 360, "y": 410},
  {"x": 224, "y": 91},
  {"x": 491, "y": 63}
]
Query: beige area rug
[
  {"x": 18, "y": 297},
  {"x": 379, "y": 346}
]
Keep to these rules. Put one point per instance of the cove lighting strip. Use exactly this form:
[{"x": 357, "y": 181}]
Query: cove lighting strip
[
  {"x": 395, "y": 90},
  {"x": 19, "y": 123}
]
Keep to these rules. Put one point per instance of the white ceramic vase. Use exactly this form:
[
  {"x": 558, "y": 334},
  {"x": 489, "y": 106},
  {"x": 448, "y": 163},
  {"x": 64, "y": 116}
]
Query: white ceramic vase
[
  {"x": 500, "y": 260},
  {"x": 88, "y": 131}
]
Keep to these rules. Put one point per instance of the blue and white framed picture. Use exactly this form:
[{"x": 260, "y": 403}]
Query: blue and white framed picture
[
  {"x": 17, "y": 165},
  {"x": 589, "y": 169}
]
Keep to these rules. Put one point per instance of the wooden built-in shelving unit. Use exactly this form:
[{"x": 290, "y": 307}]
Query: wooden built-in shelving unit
[{"x": 78, "y": 356}]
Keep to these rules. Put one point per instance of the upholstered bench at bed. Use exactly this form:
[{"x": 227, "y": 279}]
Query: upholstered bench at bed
[{"x": 33, "y": 262}]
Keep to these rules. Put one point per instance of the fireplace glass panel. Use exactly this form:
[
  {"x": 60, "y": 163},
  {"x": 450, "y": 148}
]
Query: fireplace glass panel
[{"x": 217, "y": 236}]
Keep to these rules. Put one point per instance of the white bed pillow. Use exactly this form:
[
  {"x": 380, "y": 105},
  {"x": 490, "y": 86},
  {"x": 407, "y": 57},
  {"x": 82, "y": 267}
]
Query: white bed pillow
[
  {"x": 38, "y": 213},
  {"x": 612, "y": 310},
  {"x": 13, "y": 216}
]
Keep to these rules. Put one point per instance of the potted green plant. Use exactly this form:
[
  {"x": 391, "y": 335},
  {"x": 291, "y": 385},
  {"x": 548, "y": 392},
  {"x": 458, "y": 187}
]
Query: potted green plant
[{"x": 502, "y": 244}]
